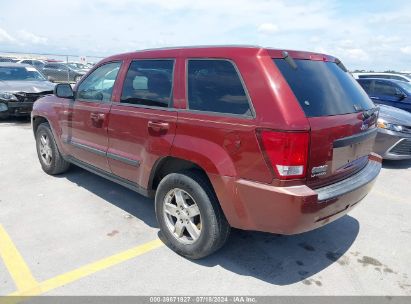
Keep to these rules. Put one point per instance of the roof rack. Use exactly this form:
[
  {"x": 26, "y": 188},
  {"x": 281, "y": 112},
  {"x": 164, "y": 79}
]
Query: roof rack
[{"x": 199, "y": 46}]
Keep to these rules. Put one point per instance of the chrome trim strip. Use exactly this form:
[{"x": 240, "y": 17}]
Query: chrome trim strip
[
  {"x": 87, "y": 148},
  {"x": 128, "y": 161}
]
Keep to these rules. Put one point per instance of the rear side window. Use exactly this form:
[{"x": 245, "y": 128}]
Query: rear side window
[
  {"x": 149, "y": 83},
  {"x": 366, "y": 85},
  {"x": 215, "y": 86},
  {"x": 323, "y": 88}
]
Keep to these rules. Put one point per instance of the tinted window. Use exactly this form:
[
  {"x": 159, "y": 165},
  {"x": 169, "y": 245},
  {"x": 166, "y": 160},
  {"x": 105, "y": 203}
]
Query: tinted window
[
  {"x": 215, "y": 86},
  {"x": 51, "y": 66},
  {"x": 323, "y": 89},
  {"x": 366, "y": 85},
  {"x": 397, "y": 78},
  {"x": 98, "y": 86},
  {"x": 384, "y": 88},
  {"x": 148, "y": 82}
]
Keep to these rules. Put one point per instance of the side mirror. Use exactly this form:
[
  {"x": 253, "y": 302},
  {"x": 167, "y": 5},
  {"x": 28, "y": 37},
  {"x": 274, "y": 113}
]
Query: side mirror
[
  {"x": 49, "y": 78},
  {"x": 400, "y": 95},
  {"x": 64, "y": 90}
]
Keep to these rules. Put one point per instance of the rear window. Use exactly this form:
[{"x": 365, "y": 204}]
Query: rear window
[{"x": 323, "y": 88}]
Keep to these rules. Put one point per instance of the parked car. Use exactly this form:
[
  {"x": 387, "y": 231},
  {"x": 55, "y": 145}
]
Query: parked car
[
  {"x": 79, "y": 66},
  {"x": 7, "y": 59},
  {"x": 393, "y": 76},
  {"x": 394, "y": 134},
  {"x": 221, "y": 137},
  {"x": 20, "y": 86},
  {"x": 393, "y": 93},
  {"x": 61, "y": 72},
  {"x": 38, "y": 64}
]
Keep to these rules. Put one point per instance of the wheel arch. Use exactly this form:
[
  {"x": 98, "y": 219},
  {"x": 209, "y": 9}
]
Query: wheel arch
[{"x": 170, "y": 164}]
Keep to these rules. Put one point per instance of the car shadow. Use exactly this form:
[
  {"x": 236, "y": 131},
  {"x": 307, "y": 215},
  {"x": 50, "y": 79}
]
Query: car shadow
[
  {"x": 276, "y": 259},
  {"x": 286, "y": 259},
  {"x": 117, "y": 195},
  {"x": 397, "y": 164}
]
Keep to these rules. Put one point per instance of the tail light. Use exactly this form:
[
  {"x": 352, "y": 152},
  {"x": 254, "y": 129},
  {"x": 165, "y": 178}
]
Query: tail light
[{"x": 287, "y": 152}]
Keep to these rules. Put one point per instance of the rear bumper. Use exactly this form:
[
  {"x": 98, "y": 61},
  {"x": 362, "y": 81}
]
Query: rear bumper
[
  {"x": 290, "y": 210},
  {"x": 393, "y": 145}
]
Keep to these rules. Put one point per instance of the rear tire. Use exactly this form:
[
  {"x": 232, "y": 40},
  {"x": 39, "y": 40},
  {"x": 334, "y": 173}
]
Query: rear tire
[
  {"x": 189, "y": 215},
  {"x": 51, "y": 160}
]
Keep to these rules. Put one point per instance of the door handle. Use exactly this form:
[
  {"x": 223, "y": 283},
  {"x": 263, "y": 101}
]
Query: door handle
[
  {"x": 97, "y": 116},
  {"x": 97, "y": 119},
  {"x": 158, "y": 126}
]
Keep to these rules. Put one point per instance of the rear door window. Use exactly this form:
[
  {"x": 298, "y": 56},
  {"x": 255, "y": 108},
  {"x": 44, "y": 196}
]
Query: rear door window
[
  {"x": 323, "y": 88},
  {"x": 215, "y": 86},
  {"x": 366, "y": 85},
  {"x": 149, "y": 83}
]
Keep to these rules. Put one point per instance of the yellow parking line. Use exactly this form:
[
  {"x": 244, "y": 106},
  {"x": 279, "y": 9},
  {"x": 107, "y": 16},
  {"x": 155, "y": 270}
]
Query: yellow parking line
[
  {"x": 15, "y": 263},
  {"x": 88, "y": 269}
]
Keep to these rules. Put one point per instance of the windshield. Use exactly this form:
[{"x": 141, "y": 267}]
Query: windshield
[
  {"x": 323, "y": 88},
  {"x": 20, "y": 73},
  {"x": 406, "y": 86}
]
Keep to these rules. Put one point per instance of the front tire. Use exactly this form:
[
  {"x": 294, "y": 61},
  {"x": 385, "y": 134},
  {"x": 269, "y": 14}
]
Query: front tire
[
  {"x": 189, "y": 215},
  {"x": 51, "y": 160}
]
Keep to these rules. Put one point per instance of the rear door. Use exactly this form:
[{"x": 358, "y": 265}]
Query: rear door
[
  {"x": 392, "y": 94},
  {"x": 384, "y": 92},
  {"x": 143, "y": 121},
  {"x": 341, "y": 116},
  {"x": 86, "y": 132}
]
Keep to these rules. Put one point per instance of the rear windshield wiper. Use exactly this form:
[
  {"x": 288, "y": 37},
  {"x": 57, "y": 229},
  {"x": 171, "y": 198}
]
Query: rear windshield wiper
[{"x": 289, "y": 60}]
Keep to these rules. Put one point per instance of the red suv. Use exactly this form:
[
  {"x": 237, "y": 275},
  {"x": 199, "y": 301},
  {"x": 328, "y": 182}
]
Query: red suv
[{"x": 245, "y": 137}]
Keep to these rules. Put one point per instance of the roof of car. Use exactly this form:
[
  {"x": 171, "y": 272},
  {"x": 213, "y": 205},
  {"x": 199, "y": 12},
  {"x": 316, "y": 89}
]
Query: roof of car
[
  {"x": 218, "y": 51},
  {"x": 381, "y": 73},
  {"x": 384, "y": 79},
  {"x": 14, "y": 65}
]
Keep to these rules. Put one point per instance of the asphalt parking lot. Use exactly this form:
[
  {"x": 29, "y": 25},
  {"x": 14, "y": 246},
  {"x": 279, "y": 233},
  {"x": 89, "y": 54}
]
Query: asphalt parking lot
[{"x": 79, "y": 234}]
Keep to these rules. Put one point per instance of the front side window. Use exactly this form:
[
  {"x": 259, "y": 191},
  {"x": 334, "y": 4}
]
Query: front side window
[
  {"x": 215, "y": 86},
  {"x": 149, "y": 83},
  {"x": 98, "y": 86}
]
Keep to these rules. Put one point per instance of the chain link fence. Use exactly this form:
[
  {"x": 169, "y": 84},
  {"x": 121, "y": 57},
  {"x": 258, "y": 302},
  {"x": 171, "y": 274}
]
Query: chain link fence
[{"x": 54, "y": 67}]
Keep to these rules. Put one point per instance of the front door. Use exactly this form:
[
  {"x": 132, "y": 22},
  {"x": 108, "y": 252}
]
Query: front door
[
  {"x": 86, "y": 134},
  {"x": 143, "y": 123}
]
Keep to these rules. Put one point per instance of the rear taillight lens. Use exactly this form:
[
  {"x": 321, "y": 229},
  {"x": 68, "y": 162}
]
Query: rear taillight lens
[{"x": 287, "y": 152}]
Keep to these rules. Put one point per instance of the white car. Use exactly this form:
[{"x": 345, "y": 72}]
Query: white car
[
  {"x": 402, "y": 77},
  {"x": 38, "y": 64}
]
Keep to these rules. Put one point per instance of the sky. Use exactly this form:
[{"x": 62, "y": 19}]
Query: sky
[{"x": 370, "y": 35}]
